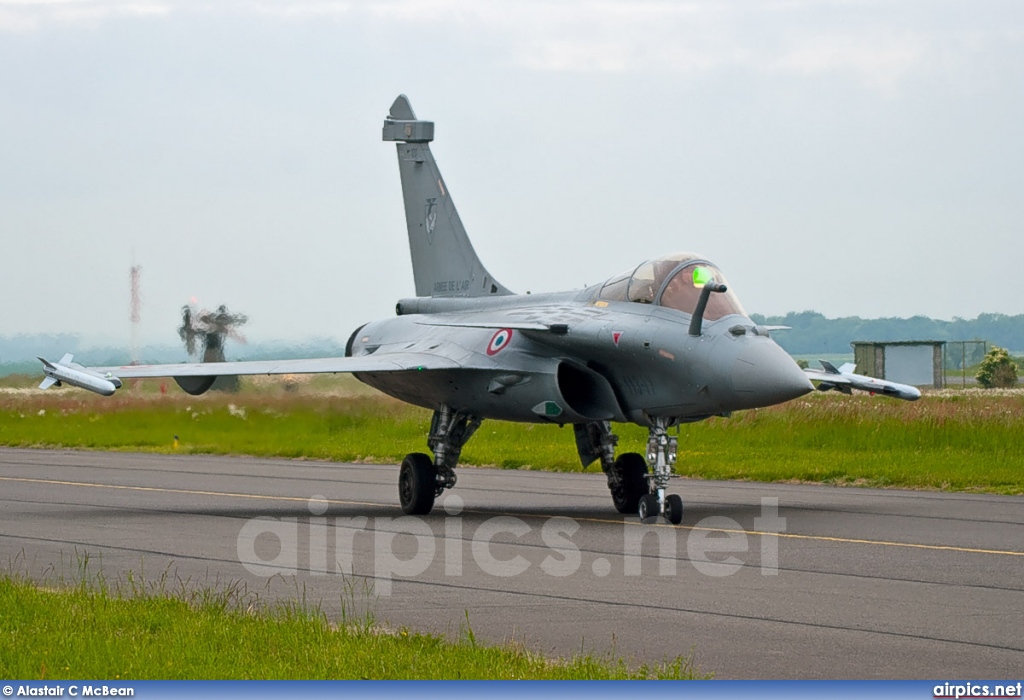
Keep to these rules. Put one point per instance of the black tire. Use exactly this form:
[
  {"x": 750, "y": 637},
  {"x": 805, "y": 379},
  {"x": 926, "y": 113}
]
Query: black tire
[
  {"x": 417, "y": 484},
  {"x": 649, "y": 509},
  {"x": 674, "y": 509},
  {"x": 632, "y": 469}
]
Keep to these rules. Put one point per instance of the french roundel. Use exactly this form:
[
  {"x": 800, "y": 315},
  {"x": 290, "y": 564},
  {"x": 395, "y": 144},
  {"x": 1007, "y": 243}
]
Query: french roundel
[{"x": 499, "y": 341}]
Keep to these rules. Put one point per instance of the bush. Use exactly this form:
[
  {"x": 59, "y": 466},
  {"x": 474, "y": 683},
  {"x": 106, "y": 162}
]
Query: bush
[{"x": 997, "y": 369}]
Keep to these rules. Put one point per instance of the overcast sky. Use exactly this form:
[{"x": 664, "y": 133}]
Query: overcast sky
[{"x": 850, "y": 157}]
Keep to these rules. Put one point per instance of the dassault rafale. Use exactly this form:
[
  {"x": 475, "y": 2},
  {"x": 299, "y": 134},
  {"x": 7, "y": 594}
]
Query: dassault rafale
[{"x": 663, "y": 343}]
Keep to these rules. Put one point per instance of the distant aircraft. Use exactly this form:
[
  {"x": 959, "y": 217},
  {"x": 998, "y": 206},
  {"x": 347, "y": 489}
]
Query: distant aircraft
[
  {"x": 663, "y": 343},
  {"x": 843, "y": 379}
]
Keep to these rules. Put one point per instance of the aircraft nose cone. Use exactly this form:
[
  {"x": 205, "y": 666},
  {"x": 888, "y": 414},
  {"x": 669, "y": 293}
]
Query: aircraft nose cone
[{"x": 763, "y": 374}]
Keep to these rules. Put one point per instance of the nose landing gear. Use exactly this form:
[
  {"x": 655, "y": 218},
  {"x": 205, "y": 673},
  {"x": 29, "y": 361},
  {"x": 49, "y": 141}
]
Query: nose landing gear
[
  {"x": 661, "y": 453},
  {"x": 633, "y": 488}
]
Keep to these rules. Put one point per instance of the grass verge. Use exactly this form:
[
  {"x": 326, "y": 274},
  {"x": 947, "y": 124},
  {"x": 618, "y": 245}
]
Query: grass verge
[
  {"x": 967, "y": 441},
  {"x": 87, "y": 631}
]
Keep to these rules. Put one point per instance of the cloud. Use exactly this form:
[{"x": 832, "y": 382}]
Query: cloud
[
  {"x": 878, "y": 44},
  {"x": 877, "y": 61},
  {"x": 29, "y": 15}
]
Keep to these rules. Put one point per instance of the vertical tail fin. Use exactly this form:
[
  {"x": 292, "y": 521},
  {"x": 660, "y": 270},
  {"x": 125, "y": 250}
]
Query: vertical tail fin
[{"x": 443, "y": 260}]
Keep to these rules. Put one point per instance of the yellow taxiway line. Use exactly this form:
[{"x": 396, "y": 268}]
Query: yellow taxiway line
[{"x": 298, "y": 499}]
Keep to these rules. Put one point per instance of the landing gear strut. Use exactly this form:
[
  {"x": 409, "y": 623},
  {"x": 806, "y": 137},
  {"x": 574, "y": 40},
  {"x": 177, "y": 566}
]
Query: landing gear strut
[
  {"x": 422, "y": 479},
  {"x": 661, "y": 453},
  {"x": 627, "y": 475}
]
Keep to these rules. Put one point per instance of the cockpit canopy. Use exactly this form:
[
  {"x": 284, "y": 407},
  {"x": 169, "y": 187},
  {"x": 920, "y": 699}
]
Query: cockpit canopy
[{"x": 673, "y": 281}]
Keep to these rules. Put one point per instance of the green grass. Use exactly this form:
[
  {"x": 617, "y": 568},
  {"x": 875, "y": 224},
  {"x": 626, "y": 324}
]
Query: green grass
[
  {"x": 948, "y": 440},
  {"x": 89, "y": 632}
]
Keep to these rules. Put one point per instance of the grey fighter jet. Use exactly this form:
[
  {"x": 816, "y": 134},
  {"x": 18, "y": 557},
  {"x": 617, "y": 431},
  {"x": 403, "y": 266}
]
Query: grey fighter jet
[{"x": 664, "y": 342}]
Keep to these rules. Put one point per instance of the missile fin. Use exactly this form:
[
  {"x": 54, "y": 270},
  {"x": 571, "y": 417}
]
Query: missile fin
[{"x": 828, "y": 367}]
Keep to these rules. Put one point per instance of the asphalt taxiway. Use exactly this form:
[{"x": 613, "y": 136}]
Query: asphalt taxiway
[{"x": 760, "y": 581}]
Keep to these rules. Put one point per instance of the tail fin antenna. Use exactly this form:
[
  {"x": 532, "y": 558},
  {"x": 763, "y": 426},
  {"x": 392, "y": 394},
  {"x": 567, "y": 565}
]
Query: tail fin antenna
[{"x": 444, "y": 263}]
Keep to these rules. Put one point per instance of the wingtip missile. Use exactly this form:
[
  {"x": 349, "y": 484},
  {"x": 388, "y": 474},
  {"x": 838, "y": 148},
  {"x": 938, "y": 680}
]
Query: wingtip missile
[
  {"x": 66, "y": 372},
  {"x": 843, "y": 379}
]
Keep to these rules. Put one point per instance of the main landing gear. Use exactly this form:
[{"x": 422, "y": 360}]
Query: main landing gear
[
  {"x": 422, "y": 479},
  {"x": 633, "y": 489}
]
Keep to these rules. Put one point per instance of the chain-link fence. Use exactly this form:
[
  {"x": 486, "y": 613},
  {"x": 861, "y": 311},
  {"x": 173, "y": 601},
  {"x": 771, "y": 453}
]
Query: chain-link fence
[{"x": 961, "y": 359}]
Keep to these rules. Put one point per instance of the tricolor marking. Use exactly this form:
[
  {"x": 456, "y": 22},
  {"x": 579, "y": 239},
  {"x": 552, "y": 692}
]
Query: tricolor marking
[{"x": 499, "y": 340}]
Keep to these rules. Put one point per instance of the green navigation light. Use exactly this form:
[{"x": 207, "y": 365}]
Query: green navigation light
[{"x": 701, "y": 276}]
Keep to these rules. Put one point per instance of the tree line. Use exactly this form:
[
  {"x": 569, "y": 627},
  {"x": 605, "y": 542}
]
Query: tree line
[{"x": 811, "y": 332}]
